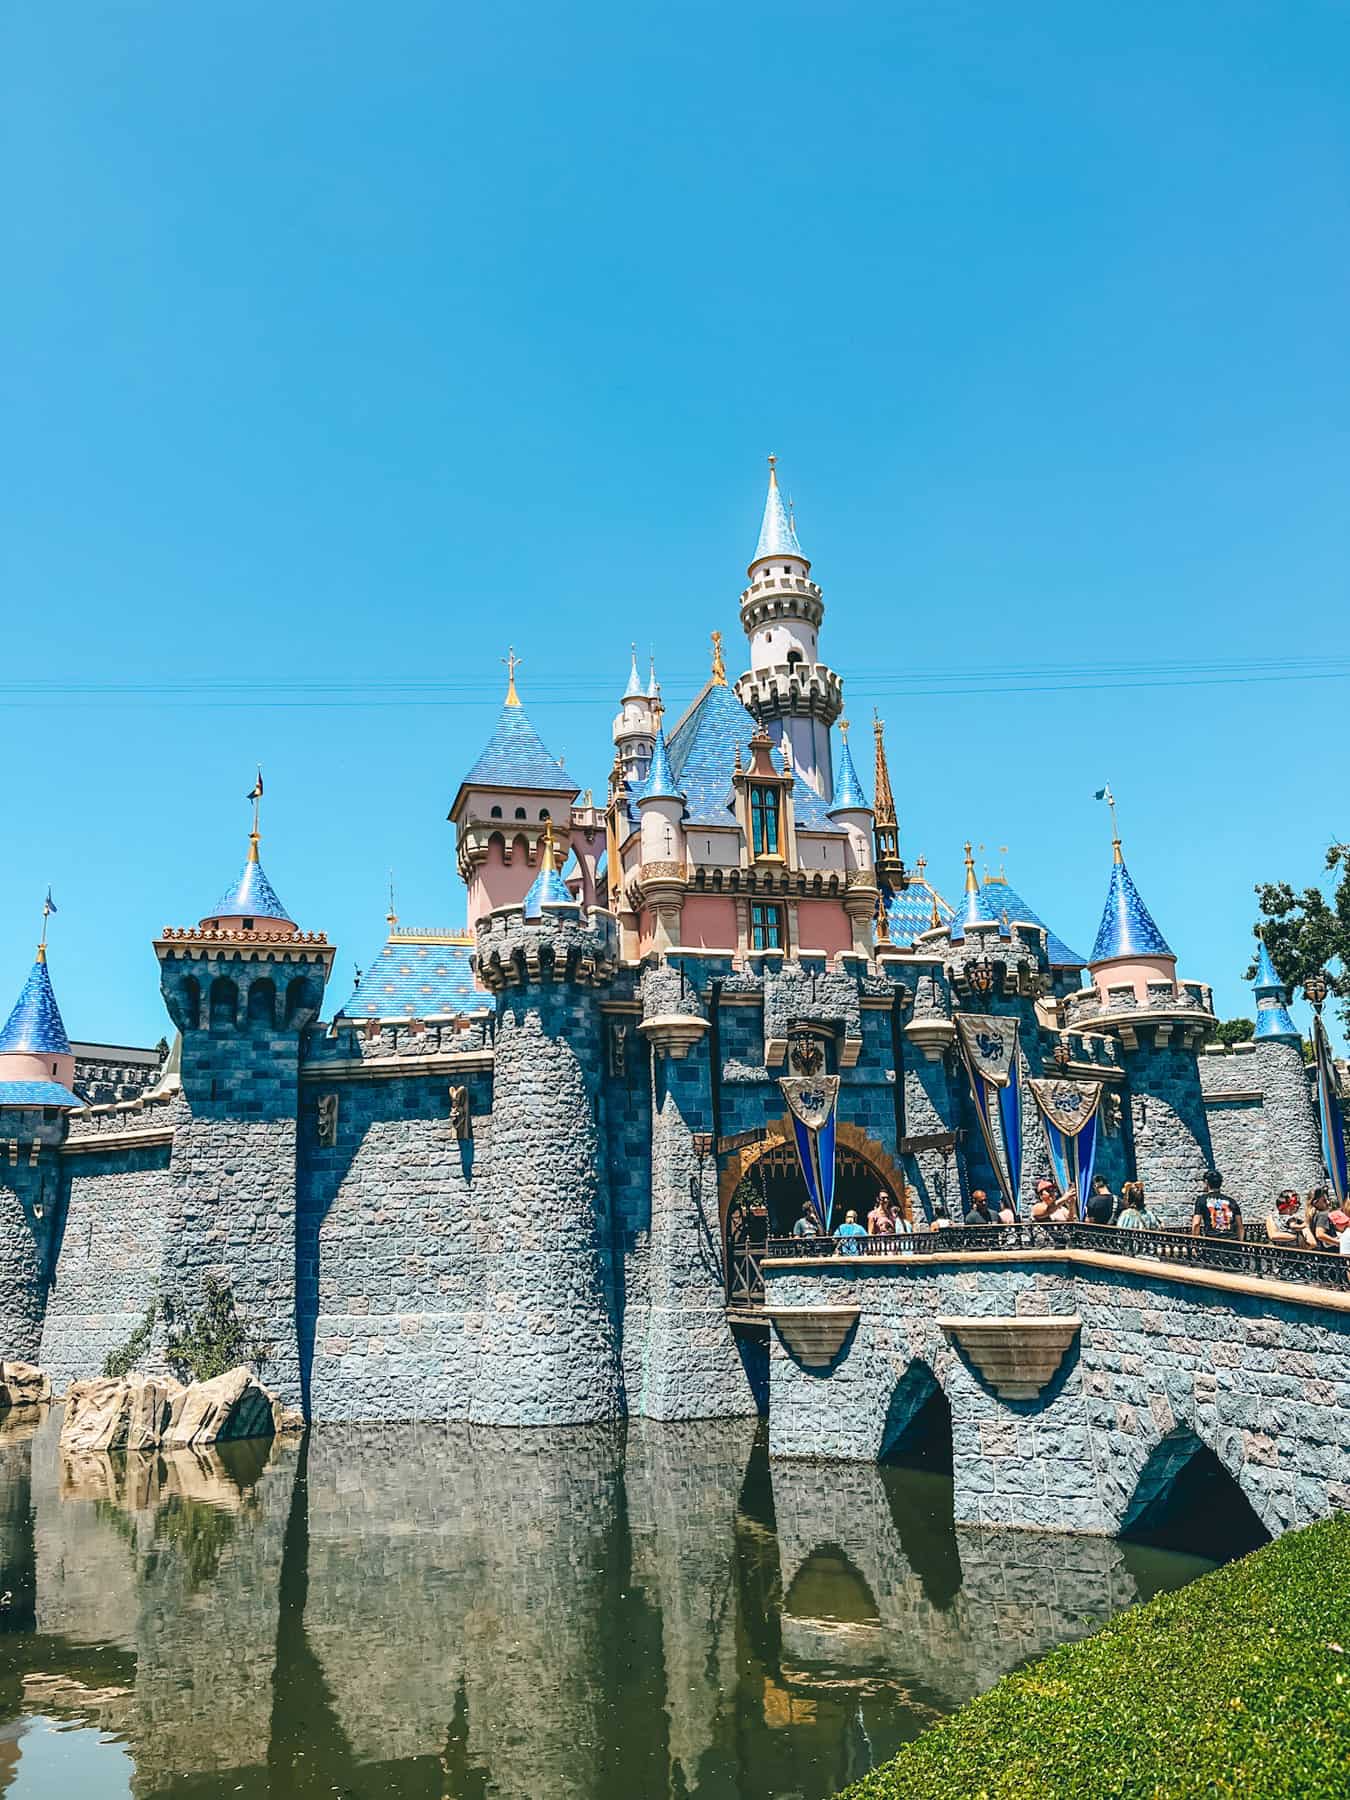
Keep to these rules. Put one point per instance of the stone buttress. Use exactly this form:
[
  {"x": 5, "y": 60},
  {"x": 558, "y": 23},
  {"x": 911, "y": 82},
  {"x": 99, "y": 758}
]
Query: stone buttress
[{"x": 549, "y": 1351}]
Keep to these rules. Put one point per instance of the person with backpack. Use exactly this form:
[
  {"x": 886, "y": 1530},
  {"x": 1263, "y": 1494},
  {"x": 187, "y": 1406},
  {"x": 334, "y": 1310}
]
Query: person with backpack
[{"x": 1215, "y": 1214}]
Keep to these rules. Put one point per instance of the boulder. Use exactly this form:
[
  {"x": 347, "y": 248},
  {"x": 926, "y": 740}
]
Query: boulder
[
  {"x": 23, "y": 1384},
  {"x": 233, "y": 1405},
  {"x": 96, "y": 1415}
]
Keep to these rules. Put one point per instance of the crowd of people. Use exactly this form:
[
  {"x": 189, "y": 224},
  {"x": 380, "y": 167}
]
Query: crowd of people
[{"x": 1314, "y": 1223}]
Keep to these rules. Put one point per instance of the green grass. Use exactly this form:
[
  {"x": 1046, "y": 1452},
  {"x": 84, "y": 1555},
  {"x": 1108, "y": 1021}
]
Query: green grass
[{"x": 1236, "y": 1685}]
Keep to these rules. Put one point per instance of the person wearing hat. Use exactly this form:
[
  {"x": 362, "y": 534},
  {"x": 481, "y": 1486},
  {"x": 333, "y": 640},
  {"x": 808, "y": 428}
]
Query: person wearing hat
[
  {"x": 1282, "y": 1219},
  {"x": 1049, "y": 1207}
]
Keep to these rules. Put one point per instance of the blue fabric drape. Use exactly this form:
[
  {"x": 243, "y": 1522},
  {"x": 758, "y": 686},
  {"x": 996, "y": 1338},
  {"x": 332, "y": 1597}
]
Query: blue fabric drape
[
  {"x": 1010, "y": 1111},
  {"x": 1060, "y": 1153},
  {"x": 1329, "y": 1113},
  {"x": 1085, "y": 1151},
  {"x": 825, "y": 1163},
  {"x": 806, "y": 1156}
]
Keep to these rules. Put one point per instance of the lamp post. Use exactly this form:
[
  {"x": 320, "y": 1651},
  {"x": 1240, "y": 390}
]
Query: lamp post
[{"x": 1315, "y": 991}]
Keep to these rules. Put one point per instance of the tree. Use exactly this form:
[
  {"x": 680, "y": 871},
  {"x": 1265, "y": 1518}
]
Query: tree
[
  {"x": 1235, "y": 1031},
  {"x": 1307, "y": 934}
]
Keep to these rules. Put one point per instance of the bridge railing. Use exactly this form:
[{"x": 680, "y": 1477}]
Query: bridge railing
[{"x": 1256, "y": 1259}]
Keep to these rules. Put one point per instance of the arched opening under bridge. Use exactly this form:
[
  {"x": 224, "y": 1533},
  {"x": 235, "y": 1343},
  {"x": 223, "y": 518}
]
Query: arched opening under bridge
[{"x": 1185, "y": 1499}]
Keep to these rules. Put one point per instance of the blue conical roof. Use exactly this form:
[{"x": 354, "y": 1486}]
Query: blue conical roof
[
  {"x": 776, "y": 535},
  {"x": 660, "y": 783},
  {"x": 35, "y": 1028},
  {"x": 1272, "y": 998},
  {"x": 251, "y": 896},
  {"x": 1005, "y": 899},
  {"x": 848, "y": 790},
  {"x": 548, "y": 889},
  {"x": 515, "y": 757},
  {"x": 634, "y": 690},
  {"x": 1127, "y": 927},
  {"x": 1267, "y": 979}
]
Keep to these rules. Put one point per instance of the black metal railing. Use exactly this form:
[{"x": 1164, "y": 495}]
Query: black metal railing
[{"x": 1256, "y": 1258}]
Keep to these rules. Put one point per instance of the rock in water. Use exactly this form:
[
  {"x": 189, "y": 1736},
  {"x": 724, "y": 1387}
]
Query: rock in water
[
  {"x": 233, "y": 1405},
  {"x": 147, "y": 1411},
  {"x": 23, "y": 1384}
]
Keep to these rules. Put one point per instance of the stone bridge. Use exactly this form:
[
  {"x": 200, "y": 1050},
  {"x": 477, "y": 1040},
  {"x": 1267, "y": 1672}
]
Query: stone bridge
[{"x": 1080, "y": 1383}]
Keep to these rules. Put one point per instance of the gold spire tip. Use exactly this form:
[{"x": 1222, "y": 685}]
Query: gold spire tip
[
  {"x": 972, "y": 885},
  {"x": 512, "y": 662},
  {"x": 548, "y": 847},
  {"x": 253, "y": 846},
  {"x": 42, "y": 953},
  {"x": 719, "y": 667},
  {"x": 843, "y": 729}
]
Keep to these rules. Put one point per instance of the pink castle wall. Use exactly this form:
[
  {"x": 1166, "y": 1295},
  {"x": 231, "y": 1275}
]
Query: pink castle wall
[
  {"x": 708, "y": 922},
  {"x": 823, "y": 925}
]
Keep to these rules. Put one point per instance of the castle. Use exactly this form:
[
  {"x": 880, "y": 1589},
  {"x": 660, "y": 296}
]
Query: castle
[{"x": 494, "y": 1184}]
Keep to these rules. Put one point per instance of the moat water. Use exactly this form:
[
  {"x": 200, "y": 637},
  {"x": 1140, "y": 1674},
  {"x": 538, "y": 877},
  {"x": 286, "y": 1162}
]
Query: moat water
[{"x": 602, "y": 1614}]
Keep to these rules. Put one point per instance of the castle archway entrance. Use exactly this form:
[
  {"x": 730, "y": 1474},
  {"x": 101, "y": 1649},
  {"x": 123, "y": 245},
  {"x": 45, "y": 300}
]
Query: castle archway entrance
[{"x": 762, "y": 1192}]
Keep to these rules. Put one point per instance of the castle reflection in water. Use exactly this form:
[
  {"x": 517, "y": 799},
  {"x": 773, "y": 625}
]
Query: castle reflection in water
[{"x": 438, "y": 1611}]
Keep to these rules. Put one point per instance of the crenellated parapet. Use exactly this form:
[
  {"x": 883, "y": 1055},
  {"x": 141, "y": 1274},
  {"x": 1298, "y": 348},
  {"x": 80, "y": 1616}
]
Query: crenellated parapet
[{"x": 563, "y": 946}]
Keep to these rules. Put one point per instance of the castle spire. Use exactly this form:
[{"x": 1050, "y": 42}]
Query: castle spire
[
  {"x": 660, "y": 783},
  {"x": 1127, "y": 928},
  {"x": 251, "y": 898},
  {"x": 848, "y": 790},
  {"x": 777, "y": 534},
  {"x": 1272, "y": 998},
  {"x": 719, "y": 667},
  {"x": 885, "y": 828},
  {"x": 881, "y": 786},
  {"x": 37, "y": 1064},
  {"x": 634, "y": 689},
  {"x": 548, "y": 888}
]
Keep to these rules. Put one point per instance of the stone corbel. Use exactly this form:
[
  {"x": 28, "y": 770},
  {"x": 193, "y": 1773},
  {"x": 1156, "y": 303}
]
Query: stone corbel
[
  {"x": 775, "y": 1052},
  {"x": 850, "y": 1049},
  {"x": 673, "y": 1033},
  {"x": 932, "y": 1036},
  {"x": 1019, "y": 1357},
  {"x": 813, "y": 1335}
]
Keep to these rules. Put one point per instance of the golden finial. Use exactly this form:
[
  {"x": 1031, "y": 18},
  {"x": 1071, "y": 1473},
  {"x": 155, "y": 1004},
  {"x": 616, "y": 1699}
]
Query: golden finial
[
  {"x": 1110, "y": 799},
  {"x": 719, "y": 667},
  {"x": 547, "y": 844},
  {"x": 738, "y": 767},
  {"x": 972, "y": 885},
  {"x": 773, "y": 470},
  {"x": 391, "y": 916},
  {"x": 843, "y": 729},
  {"x": 934, "y": 916},
  {"x": 48, "y": 908},
  {"x": 513, "y": 662}
]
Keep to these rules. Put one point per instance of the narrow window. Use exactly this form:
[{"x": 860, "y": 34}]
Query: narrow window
[
  {"x": 766, "y": 926},
  {"x": 764, "y": 820}
]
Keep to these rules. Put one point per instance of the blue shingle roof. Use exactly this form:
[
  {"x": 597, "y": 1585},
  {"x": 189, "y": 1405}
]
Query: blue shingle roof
[
  {"x": 1272, "y": 998},
  {"x": 515, "y": 757},
  {"x": 702, "y": 751},
  {"x": 776, "y": 535},
  {"x": 977, "y": 908},
  {"x": 417, "y": 975},
  {"x": 251, "y": 896},
  {"x": 34, "y": 1028},
  {"x": 1274, "y": 1021},
  {"x": 848, "y": 790},
  {"x": 37, "y": 1093},
  {"x": 1006, "y": 899},
  {"x": 1127, "y": 927},
  {"x": 910, "y": 912}
]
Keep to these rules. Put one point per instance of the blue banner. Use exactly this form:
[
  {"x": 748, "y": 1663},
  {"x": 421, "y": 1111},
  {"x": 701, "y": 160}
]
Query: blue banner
[
  {"x": 1010, "y": 1111},
  {"x": 1329, "y": 1112}
]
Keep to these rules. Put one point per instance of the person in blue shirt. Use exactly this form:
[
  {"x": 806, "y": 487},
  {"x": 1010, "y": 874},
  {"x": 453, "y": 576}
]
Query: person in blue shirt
[{"x": 850, "y": 1229}]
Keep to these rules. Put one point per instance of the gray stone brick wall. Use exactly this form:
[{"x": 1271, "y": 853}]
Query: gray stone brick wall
[
  {"x": 30, "y": 1190},
  {"x": 1172, "y": 1145},
  {"x": 1158, "y": 1365},
  {"x": 108, "y": 1269}
]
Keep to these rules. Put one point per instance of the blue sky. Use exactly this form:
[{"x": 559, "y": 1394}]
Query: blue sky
[{"x": 346, "y": 345}]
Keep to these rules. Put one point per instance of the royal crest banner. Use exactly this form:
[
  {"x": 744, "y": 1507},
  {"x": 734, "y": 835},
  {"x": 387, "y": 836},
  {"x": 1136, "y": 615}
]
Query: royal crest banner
[
  {"x": 1070, "y": 1106},
  {"x": 990, "y": 1046},
  {"x": 810, "y": 1098}
]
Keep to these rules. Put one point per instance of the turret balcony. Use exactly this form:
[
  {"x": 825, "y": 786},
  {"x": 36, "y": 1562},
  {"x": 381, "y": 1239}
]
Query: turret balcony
[
  {"x": 792, "y": 690},
  {"x": 1180, "y": 1009},
  {"x": 780, "y": 597}
]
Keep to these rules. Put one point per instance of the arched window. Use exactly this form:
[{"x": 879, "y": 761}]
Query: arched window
[
  {"x": 520, "y": 812},
  {"x": 795, "y": 658},
  {"x": 300, "y": 998},
  {"x": 224, "y": 1004},
  {"x": 262, "y": 1004},
  {"x": 544, "y": 813},
  {"x": 188, "y": 1014},
  {"x": 764, "y": 820},
  {"x": 496, "y": 813}
]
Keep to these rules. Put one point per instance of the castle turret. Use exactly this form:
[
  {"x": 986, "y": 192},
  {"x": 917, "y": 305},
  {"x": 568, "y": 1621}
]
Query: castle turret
[
  {"x": 661, "y": 873},
  {"x": 1160, "y": 1023},
  {"x": 852, "y": 809},
  {"x": 787, "y": 687},
  {"x": 635, "y": 726},
  {"x": 241, "y": 987},
  {"x": 1292, "y": 1136},
  {"x": 513, "y": 791},
  {"x": 36, "y": 1070}
]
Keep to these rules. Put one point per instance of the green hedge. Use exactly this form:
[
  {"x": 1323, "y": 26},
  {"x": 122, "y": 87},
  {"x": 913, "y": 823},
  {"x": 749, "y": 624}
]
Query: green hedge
[{"x": 1236, "y": 1685}]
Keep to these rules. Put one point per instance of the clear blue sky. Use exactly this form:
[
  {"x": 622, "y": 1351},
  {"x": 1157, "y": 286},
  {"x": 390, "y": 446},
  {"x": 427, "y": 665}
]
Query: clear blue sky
[{"x": 345, "y": 344}]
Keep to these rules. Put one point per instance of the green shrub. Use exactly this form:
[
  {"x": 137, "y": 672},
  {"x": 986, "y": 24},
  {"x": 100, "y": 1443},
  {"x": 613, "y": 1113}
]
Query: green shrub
[
  {"x": 207, "y": 1342},
  {"x": 121, "y": 1362},
  {"x": 1236, "y": 1685}
]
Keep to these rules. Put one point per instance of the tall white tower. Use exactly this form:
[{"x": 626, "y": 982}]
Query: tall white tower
[
  {"x": 787, "y": 687},
  {"x": 636, "y": 725}
]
